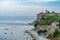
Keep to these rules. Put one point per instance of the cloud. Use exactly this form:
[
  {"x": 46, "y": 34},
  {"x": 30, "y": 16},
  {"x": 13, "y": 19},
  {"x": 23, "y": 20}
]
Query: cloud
[
  {"x": 48, "y": 0},
  {"x": 16, "y": 8},
  {"x": 31, "y": 0},
  {"x": 41, "y": 0}
]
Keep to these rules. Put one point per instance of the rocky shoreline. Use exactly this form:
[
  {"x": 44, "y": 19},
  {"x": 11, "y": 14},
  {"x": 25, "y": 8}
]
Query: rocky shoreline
[
  {"x": 47, "y": 23},
  {"x": 34, "y": 36}
]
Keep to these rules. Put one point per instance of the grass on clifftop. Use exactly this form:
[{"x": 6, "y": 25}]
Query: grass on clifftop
[{"x": 49, "y": 20}]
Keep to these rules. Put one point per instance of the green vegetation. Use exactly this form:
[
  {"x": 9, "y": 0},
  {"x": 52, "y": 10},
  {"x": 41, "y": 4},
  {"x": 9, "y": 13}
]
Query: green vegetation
[
  {"x": 59, "y": 23},
  {"x": 56, "y": 33},
  {"x": 35, "y": 25},
  {"x": 40, "y": 31},
  {"x": 49, "y": 20},
  {"x": 55, "y": 36}
]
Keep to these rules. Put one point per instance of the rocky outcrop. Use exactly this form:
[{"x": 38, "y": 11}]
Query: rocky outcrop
[
  {"x": 35, "y": 36},
  {"x": 49, "y": 28}
]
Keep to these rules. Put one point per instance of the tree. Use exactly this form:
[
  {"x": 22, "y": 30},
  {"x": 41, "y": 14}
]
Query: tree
[
  {"x": 59, "y": 24},
  {"x": 47, "y": 12},
  {"x": 35, "y": 25},
  {"x": 53, "y": 11}
]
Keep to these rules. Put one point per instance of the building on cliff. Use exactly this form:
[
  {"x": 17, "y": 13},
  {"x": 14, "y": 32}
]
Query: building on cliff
[{"x": 44, "y": 15}]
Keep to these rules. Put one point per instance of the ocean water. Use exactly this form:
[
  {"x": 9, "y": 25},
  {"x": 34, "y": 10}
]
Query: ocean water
[{"x": 13, "y": 27}]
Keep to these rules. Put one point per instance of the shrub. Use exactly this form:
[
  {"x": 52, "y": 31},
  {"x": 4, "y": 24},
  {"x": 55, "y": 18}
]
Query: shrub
[
  {"x": 44, "y": 31},
  {"x": 56, "y": 33},
  {"x": 40, "y": 31}
]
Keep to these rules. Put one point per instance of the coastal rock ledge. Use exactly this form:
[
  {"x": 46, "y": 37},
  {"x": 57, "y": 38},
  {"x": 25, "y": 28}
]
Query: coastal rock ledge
[{"x": 34, "y": 36}]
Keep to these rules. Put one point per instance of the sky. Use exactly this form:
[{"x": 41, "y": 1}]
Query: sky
[{"x": 27, "y": 7}]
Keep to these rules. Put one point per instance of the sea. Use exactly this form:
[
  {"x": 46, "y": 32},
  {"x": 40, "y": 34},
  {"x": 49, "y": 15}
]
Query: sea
[{"x": 13, "y": 27}]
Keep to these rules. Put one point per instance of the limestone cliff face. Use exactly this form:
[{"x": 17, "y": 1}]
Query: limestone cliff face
[{"x": 50, "y": 28}]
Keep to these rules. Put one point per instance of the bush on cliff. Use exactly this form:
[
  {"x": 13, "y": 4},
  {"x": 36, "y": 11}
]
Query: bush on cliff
[{"x": 56, "y": 33}]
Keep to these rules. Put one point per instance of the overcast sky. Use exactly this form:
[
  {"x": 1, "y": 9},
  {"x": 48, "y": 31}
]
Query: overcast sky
[{"x": 27, "y": 7}]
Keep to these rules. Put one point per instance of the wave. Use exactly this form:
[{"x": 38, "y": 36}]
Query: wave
[{"x": 14, "y": 22}]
